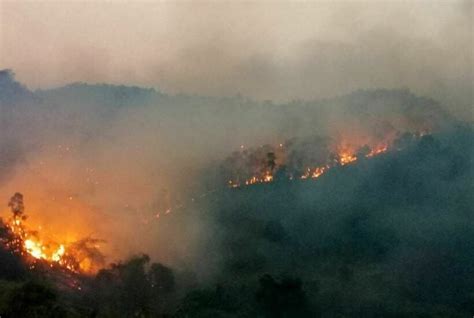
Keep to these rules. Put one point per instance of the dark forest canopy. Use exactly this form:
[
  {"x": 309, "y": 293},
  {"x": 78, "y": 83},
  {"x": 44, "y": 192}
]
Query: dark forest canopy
[{"x": 388, "y": 237}]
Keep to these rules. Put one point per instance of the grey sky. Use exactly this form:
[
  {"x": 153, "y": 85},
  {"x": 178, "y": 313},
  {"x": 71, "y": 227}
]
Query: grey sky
[{"x": 266, "y": 50}]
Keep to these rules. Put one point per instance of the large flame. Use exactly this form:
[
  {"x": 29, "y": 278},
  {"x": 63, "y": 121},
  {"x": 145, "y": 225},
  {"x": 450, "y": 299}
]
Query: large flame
[{"x": 82, "y": 256}]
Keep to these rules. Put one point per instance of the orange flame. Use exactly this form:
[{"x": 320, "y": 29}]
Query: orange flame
[
  {"x": 26, "y": 242},
  {"x": 345, "y": 155}
]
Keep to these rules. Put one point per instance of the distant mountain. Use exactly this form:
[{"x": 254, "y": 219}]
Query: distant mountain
[
  {"x": 291, "y": 118},
  {"x": 101, "y": 94},
  {"x": 11, "y": 91}
]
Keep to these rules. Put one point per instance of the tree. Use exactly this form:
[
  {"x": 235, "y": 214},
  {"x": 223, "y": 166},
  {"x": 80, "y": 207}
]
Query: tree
[
  {"x": 282, "y": 299},
  {"x": 17, "y": 206},
  {"x": 161, "y": 279},
  {"x": 34, "y": 299}
]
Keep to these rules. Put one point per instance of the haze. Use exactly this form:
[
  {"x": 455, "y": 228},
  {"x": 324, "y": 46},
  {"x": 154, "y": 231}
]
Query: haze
[{"x": 277, "y": 51}]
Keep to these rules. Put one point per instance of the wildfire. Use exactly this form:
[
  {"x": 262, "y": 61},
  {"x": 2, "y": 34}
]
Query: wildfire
[
  {"x": 29, "y": 244},
  {"x": 377, "y": 151},
  {"x": 343, "y": 155},
  {"x": 34, "y": 249},
  {"x": 346, "y": 157},
  {"x": 315, "y": 173},
  {"x": 56, "y": 257},
  {"x": 267, "y": 177},
  {"x": 39, "y": 251}
]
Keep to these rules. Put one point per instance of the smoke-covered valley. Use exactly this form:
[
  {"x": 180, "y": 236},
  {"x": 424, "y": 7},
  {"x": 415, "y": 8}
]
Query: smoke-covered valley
[
  {"x": 149, "y": 172},
  {"x": 119, "y": 156}
]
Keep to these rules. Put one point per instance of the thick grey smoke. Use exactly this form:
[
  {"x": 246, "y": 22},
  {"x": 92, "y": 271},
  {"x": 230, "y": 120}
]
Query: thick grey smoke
[{"x": 281, "y": 50}]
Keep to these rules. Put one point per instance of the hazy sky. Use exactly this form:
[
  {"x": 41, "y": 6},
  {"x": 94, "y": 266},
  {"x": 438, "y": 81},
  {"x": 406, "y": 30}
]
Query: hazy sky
[{"x": 267, "y": 50}]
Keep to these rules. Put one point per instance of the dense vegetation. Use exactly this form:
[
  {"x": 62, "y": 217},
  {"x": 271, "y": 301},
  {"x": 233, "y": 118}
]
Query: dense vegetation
[{"x": 388, "y": 237}]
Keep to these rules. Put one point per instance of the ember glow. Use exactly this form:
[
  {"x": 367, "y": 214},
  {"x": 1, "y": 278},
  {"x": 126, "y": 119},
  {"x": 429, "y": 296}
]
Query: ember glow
[
  {"x": 343, "y": 154},
  {"x": 377, "y": 151},
  {"x": 315, "y": 172},
  {"x": 267, "y": 177}
]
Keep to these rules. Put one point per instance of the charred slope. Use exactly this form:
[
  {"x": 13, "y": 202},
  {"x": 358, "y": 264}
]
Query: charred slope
[{"x": 391, "y": 236}]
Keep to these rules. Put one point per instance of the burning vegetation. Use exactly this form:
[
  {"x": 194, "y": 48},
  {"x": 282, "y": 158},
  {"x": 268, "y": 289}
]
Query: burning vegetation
[
  {"x": 303, "y": 159},
  {"x": 82, "y": 256}
]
